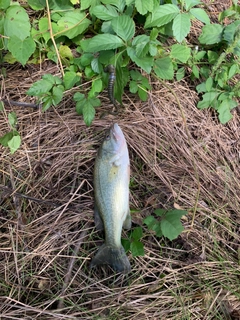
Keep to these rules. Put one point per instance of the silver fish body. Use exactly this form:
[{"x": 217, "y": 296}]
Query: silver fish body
[{"x": 111, "y": 191}]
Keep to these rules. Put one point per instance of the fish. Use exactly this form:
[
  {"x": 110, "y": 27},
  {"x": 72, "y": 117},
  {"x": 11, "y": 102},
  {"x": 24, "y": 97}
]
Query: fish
[{"x": 111, "y": 196}]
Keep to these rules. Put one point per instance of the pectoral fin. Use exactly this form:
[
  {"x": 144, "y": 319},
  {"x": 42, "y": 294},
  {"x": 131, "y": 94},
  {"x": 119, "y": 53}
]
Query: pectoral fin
[{"x": 128, "y": 221}]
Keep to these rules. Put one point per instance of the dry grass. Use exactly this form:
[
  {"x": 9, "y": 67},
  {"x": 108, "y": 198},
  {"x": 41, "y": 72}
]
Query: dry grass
[{"x": 180, "y": 157}]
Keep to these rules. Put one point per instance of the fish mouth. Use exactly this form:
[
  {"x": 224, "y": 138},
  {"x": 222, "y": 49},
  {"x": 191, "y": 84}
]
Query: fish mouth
[{"x": 116, "y": 132}]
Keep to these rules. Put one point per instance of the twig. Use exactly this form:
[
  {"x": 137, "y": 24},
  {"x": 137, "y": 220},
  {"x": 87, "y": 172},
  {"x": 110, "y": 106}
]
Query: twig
[{"x": 52, "y": 37}]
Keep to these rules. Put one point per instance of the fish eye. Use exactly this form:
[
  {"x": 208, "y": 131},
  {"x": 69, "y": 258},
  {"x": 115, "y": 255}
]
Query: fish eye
[{"x": 108, "y": 136}]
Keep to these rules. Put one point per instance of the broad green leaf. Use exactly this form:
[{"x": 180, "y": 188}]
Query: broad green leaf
[
  {"x": 171, "y": 224},
  {"x": 145, "y": 62},
  {"x": 144, "y": 6},
  {"x": 96, "y": 65},
  {"x": 16, "y": 23},
  {"x": 229, "y": 31},
  {"x": 209, "y": 84},
  {"x": 234, "y": 69},
  {"x": 133, "y": 87},
  {"x": 181, "y": 26},
  {"x": 4, "y": 4},
  {"x": 124, "y": 27},
  {"x": 137, "y": 233},
  {"x": 200, "y": 14},
  {"x": 39, "y": 88},
  {"x": 211, "y": 33},
  {"x": 88, "y": 113},
  {"x": 137, "y": 249},
  {"x": 57, "y": 94},
  {"x": 191, "y": 3},
  {"x": 160, "y": 212},
  {"x": 72, "y": 24},
  {"x": 163, "y": 68},
  {"x": 14, "y": 143},
  {"x": 150, "y": 221},
  {"x": 180, "y": 74},
  {"x": 12, "y": 119},
  {"x": 53, "y": 79},
  {"x": 6, "y": 138},
  {"x": 135, "y": 75},
  {"x": 95, "y": 102},
  {"x": 195, "y": 71},
  {"x": 224, "y": 110},
  {"x": 180, "y": 52},
  {"x": 65, "y": 52},
  {"x": 78, "y": 96},
  {"x": 80, "y": 105},
  {"x": 86, "y": 59},
  {"x": 126, "y": 244},
  {"x": 105, "y": 13},
  {"x": 21, "y": 49},
  {"x": 47, "y": 102},
  {"x": 212, "y": 56},
  {"x": 207, "y": 99},
  {"x": 161, "y": 16},
  {"x": 37, "y": 4},
  {"x": 142, "y": 92},
  {"x": 70, "y": 79},
  {"x": 44, "y": 28},
  {"x": 96, "y": 88},
  {"x": 141, "y": 43},
  {"x": 102, "y": 42},
  {"x": 120, "y": 4}
]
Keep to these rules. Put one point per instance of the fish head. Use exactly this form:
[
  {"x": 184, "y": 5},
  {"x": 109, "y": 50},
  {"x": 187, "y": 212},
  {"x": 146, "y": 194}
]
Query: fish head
[{"x": 114, "y": 141}]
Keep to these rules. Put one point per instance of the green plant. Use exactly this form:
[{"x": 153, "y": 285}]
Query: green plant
[
  {"x": 168, "y": 226},
  {"x": 11, "y": 139},
  {"x": 130, "y": 34}
]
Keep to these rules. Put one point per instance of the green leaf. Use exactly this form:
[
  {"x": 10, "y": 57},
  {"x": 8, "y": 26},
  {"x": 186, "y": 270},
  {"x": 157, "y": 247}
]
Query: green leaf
[
  {"x": 150, "y": 221},
  {"x": 141, "y": 43},
  {"x": 180, "y": 52},
  {"x": 171, "y": 224},
  {"x": 212, "y": 56},
  {"x": 80, "y": 105},
  {"x": 88, "y": 113},
  {"x": 133, "y": 87},
  {"x": 209, "y": 84},
  {"x": 191, "y": 3},
  {"x": 6, "y": 138},
  {"x": 234, "y": 69},
  {"x": 65, "y": 52},
  {"x": 12, "y": 119},
  {"x": 145, "y": 62},
  {"x": 200, "y": 14},
  {"x": 21, "y": 49},
  {"x": 207, "y": 99},
  {"x": 163, "y": 68},
  {"x": 105, "y": 13},
  {"x": 57, "y": 94},
  {"x": 161, "y": 16},
  {"x": 102, "y": 42},
  {"x": 86, "y": 59},
  {"x": 160, "y": 212},
  {"x": 124, "y": 27},
  {"x": 16, "y": 23},
  {"x": 4, "y": 4},
  {"x": 14, "y": 143},
  {"x": 180, "y": 74},
  {"x": 211, "y": 34},
  {"x": 39, "y": 88},
  {"x": 78, "y": 96},
  {"x": 143, "y": 94},
  {"x": 70, "y": 79},
  {"x": 137, "y": 233},
  {"x": 95, "y": 102},
  {"x": 144, "y": 6},
  {"x": 44, "y": 28},
  {"x": 37, "y": 4},
  {"x": 73, "y": 24},
  {"x": 137, "y": 249},
  {"x": 224, "y": 110},
  {"x": 96, "y": 88},
  {"x": 126, "y": 244},
  {"x": 181, "y": 26}
]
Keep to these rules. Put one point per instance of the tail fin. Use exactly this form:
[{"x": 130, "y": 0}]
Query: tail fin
[{"x": 113, "y": 256}]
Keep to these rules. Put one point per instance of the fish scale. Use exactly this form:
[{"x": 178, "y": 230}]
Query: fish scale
[{"x": 111, "y": 192}]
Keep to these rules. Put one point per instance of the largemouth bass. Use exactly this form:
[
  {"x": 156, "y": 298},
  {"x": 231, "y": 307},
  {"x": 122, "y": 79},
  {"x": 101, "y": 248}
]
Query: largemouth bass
[{"x": 111, "y": 191}]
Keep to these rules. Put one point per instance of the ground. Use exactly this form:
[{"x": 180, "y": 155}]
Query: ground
[{"x": 180, "y": 157}]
